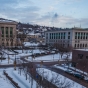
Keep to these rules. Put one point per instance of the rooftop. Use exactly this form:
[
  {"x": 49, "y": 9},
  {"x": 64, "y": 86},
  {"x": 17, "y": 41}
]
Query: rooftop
[
  {"x": 81, "y": 49},
  {"x": 71, "y": 29},
  {"x": 2, "y": 20}
]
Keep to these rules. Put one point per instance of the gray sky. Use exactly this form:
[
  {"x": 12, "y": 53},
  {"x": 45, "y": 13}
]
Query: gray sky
[{"x": 58, "y": 13}]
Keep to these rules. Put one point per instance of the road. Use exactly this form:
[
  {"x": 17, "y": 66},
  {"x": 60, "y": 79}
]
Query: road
[{"x": 59, "y": 71}]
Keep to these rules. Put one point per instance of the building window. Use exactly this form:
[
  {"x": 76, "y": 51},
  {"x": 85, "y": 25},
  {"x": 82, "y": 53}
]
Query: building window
[
  {"x": 86, "y": 57},
  {"x": 75, "y": 46},
  {"x": 11, "y": 30},
  {"x": 68, "y": 37},
  {"x": 86, "y": 37},
  {"x": 2, "y": 35},
  {"x": 64, "y": 33},
  {"x": 85, "y": 45},
  {"x": 7, "y": 36},
  {"x": 78, "y": 45},
  {"x": 3, "y": 44},
  {"x": 68, "y": 33},
  {"x": 80, "y": 56},
  {"x": 78, "y": 37},
  {"x": 68, "y": 45},
  {"x": 83, "y": 37},
  {"x": 75, "y": 37},
  {"x": 2, "y": 29},
  {"x": 64, "y": 37},
  {"x": 6, "y": 30},
  {"x": 76, "y": 33}
]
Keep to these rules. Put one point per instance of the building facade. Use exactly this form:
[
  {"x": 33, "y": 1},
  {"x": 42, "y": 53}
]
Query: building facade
[
  {"x": 7, "y": 33},
  {"x": 75, "y": 37},
  {"x": 80, "y": 59}
]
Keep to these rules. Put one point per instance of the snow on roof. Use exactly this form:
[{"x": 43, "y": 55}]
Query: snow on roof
[
  {"x": 82, "y": 49},
  {"x": 34, "y": 34},
  {"x": 30, "y": 44},
  {"x": 6, "y": 20},
  {"x": 20, "y": 32}
]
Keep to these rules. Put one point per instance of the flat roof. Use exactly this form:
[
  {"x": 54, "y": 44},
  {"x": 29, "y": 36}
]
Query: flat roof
[
  {"x": 81, "y": 49},
  {"x": 2, "y": 20},
  {"x": 71, "y": 29}
]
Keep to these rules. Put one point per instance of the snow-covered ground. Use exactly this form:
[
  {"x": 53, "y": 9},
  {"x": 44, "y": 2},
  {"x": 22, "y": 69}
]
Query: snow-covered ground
[
  {"x": 49, "y": 58},
  {"x": 21, "y": 80},
  {"x": 28, "y": 44},
  {"x": 4, "y": 82},
  {"x": 49, "y": 75},
  {"x": 26, "y": 54}
]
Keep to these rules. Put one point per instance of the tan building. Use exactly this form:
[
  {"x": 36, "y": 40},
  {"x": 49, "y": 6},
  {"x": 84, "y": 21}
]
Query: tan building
[
  {"x": 7, "y": 33},
  {"x": 75, "y": 37}
]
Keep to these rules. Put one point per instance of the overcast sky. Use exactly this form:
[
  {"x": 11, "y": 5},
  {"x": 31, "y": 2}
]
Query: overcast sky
[{"x": 58, "y": 13}]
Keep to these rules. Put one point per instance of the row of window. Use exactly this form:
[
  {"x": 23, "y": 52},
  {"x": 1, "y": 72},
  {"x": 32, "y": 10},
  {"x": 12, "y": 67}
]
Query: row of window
[
  {"x": 57, "y": 37},
  {"x": 7, "y": 35},
  {"x": 59, "y": 41},
  {"x": 7, "y": 44},
  {"x": 81, "y": 33},
  {"x": 7, "y": 30},
  {"x": 81, "y": 37},
  {"x": 7, "y": 39},
  {"x": 80, "y": 56},
  {"x": 80, "y": 45}
]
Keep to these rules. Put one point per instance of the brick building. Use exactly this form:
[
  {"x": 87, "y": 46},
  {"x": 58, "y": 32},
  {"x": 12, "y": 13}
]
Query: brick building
[{"x": 80, "y": 59}]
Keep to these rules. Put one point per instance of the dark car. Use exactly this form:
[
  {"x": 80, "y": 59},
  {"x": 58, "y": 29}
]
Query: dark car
[{"x": 78, "y": 75}]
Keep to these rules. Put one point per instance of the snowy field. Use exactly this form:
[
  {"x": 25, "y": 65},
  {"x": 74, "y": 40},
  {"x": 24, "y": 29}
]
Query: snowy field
[{"x": 4, "y": 82}]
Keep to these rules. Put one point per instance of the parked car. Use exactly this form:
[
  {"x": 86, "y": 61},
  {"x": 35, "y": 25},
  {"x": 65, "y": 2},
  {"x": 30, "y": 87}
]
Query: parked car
[
  {"x": 78, "y": 75},
  {"x": 69, "y": 71},
  {"x": 52, "y": 52},
  {"x": 86, "y": 79}
]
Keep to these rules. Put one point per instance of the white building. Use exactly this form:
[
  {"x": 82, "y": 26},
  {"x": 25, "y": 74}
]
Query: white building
[{"x": 75, "y": 37}]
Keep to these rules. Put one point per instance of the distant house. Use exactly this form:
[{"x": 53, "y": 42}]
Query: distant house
[
  {"x": 35, "y": 37},
  {"x": 21, "y": 37},
  {"x": 80, "y": 59}
]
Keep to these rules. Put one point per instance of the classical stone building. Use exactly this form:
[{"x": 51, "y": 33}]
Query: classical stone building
[
  {"x": 75, "y": 37},
  {"x": 7, "y": 33}
]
